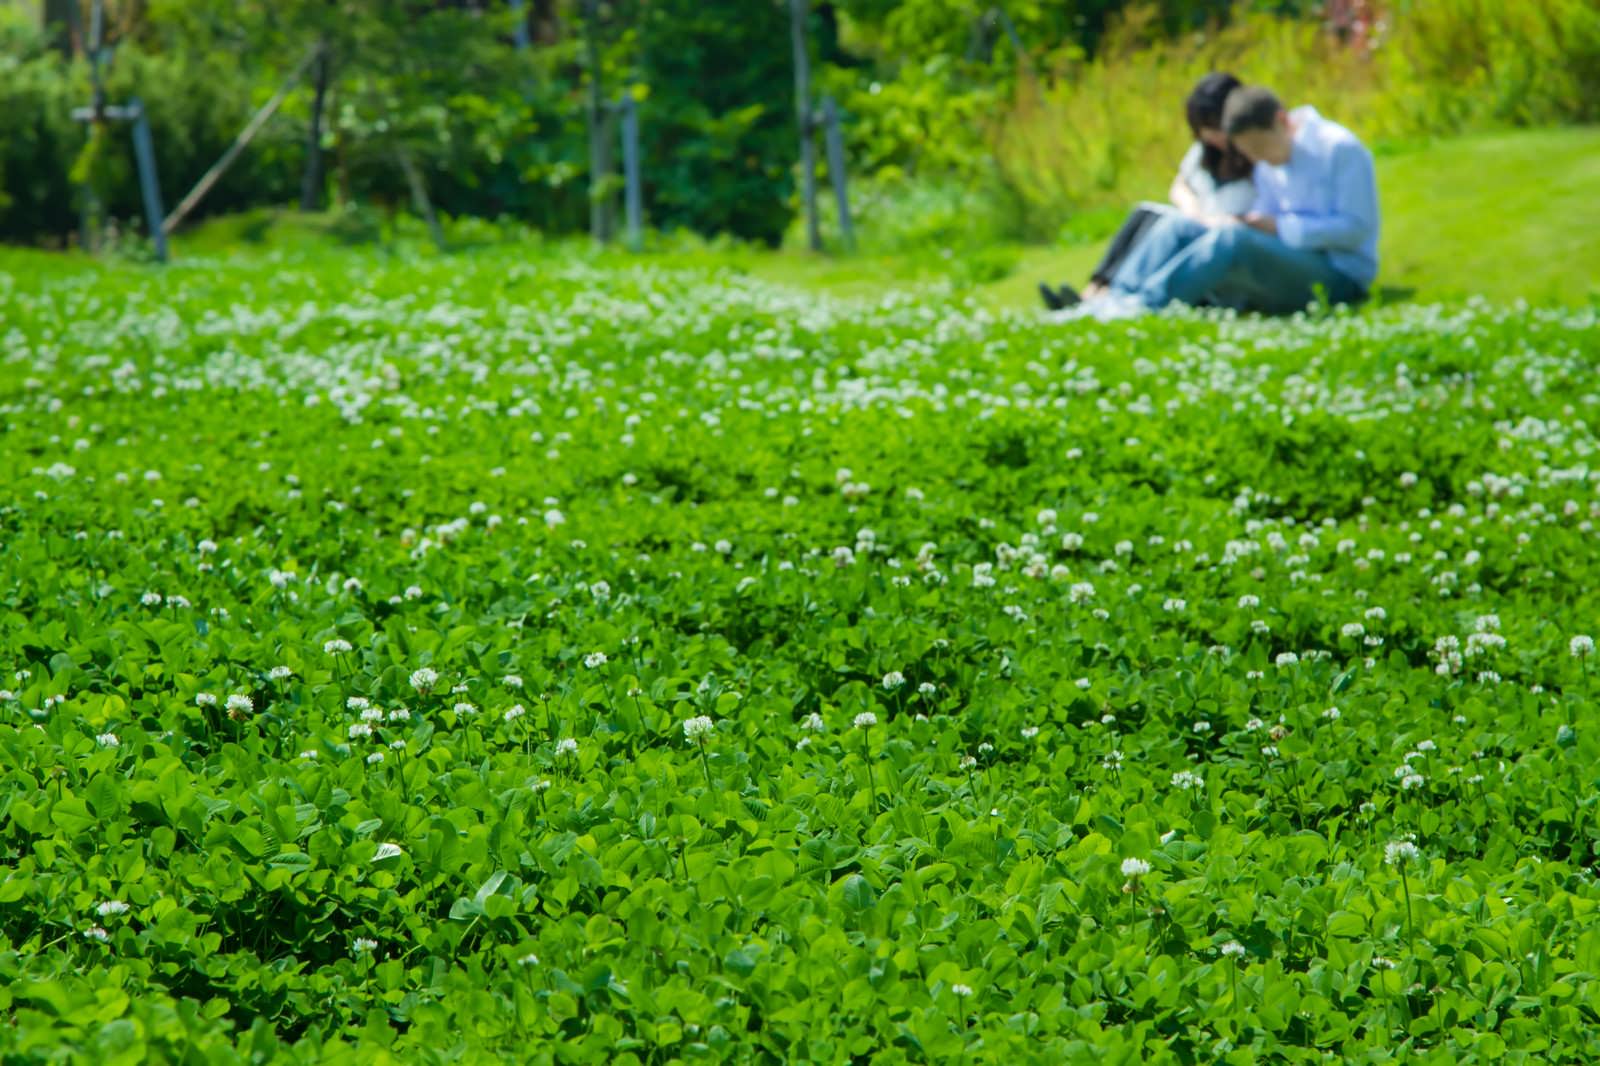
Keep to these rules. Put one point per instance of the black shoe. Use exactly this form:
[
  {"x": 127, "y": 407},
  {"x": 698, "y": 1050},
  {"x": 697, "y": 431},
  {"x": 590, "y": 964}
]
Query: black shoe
[
  {"x": 1068, "y": 296},
  {"x": 1059, "y": 299}
]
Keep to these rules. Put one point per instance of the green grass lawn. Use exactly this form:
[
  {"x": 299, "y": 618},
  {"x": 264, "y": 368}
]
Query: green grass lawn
[
  {"x": 1506, "y": 215},
  {"x": 1503, "y": 215}
]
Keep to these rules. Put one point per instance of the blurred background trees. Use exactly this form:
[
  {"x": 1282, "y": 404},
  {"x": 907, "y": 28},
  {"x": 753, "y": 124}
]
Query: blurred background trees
[{"x": 966, "y": 120}]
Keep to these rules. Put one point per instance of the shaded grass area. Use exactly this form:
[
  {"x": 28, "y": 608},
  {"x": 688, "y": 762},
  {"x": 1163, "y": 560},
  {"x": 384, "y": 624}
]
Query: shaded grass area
[{"x": 1508, "y": 215}]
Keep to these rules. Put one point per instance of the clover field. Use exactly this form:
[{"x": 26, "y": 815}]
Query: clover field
[{"x": 527, "y": 659}]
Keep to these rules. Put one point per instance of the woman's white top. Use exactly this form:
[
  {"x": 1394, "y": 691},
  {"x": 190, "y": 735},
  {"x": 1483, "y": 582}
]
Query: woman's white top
[{"x": 1230, "y": 198}]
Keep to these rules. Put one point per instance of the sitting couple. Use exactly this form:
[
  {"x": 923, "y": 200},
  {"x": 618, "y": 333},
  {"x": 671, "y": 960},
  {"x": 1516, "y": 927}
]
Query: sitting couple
[{"x": 1271, "y": 206}]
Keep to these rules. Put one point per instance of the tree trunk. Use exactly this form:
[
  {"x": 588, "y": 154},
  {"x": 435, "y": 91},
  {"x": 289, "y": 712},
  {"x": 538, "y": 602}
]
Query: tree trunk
[{"x": 312, "y": 181}]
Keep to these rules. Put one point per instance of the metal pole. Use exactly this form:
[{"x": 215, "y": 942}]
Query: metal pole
[
  {"x": 149, "y": 184},
  {"x": 835, "y": 142},
  {"x": 89, "y": 236},
  {"x": 634, "y": 196},
  {"x": 599, "y": 167},
  {"x": 802, "y": 108},
  {"x": 519, "y": 35}
]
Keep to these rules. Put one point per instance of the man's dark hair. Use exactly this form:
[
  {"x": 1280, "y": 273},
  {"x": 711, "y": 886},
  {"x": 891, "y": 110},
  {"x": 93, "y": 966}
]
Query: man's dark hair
[
  {"x": 1250, "y": 108},
  {"x": 1204, "y": 111}
]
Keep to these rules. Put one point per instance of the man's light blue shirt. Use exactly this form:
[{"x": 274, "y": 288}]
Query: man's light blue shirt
[{"x": 1326, "y": 196}]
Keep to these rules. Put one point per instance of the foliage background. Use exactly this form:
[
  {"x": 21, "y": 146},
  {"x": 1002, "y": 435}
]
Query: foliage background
[{"x": 957, "y": 135}]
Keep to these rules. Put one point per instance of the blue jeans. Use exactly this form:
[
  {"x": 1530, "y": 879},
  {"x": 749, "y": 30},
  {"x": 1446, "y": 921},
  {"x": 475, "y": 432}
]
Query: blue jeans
[{"x": 1230, "y": 266}]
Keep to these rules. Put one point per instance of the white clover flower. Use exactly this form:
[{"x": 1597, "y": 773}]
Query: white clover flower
[
  {"x": 1071, "y": 542},
  {"x": 513, "y": 712},
  {"x": 1029, "y": 732},
  {"x": 110, "y": 907},
  {"x": 387, "y": 851},
  {"x": 1111, "y": 760},
  {"x": 1412, "y": 781},
  {"x": 1232, "y": 949},
  {"x": 240, "y": 704},
  {"x": 204, "y": 699},
  {"x": 337, "y": 646},
  {"x": 363, "y": 945},
  {"x": 359, "y": 729},
  {"x": 698, "y": 726},
  {"x": 530, "y": 959},
  {"x": 1248, "y": 602},
  {"x": 1083, "y": 684},
  {"x": 1352, "y": 630},
  {"x": 464, "y": 709},
  {"x": 375, "y": 758},
  {"x": 893, "y": 680},
  {"x": 1202, "y": 726},
  {"x": 554, "y": 518},
  {"x": 1134, "y": 867},
  {"x": 1287, "y": 658},
  {"x": 372, "y": 714},
  {"x": 280, "y": 673},
  {"x": 1381, "y": 963},
  {"x": 1185, "y": 780},
  {"x": 151, "y": 599},
  {"x": 1581, "y": 646},
  {"x": 95, "y": 932},
  {"x": 423, "y": 679},
  {"x": 308, "y": 754},
  {"x": 1080, "y": 592},
  {"x": 963, "y": 991},
  {"x": 567, "y": 746},
  {"x": 927, "y": 688},
  {"x": 866, "y": 720},
  {"x": 812, "y": 722},
  {"x": 1174, "y": 605},
  {"x": 108, "y": 740},
  {"x": 595, "y": 659},
  {"x": 413, "y": 592},
  {"x": 1399, "y": 851},
  {"x": 1331, "y": 714}
]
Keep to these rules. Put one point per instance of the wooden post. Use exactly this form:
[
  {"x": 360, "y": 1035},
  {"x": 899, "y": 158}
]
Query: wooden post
[
  {"x": 149, "y": 184},
  {"x": 834, "y": 138},
  {"x": 599, "y": 154},
  {"x": 312, "y": 179},
  {"x": 634, "y": 199},
  {"x": 798, "y": 10},
  {"x": 246, "y": 135}
]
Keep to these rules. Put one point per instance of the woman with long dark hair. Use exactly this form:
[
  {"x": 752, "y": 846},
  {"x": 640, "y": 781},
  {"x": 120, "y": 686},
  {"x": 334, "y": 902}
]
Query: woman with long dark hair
[{"x": 1213, "y": 179}]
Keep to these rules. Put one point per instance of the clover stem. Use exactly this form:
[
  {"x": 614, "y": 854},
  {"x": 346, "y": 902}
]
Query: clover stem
[
  {"x": 1411, "y": 921},
  {"x": 872, "y": 785}
]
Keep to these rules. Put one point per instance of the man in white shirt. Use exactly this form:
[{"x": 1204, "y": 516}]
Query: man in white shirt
[{"x": 1314, "y": 225}]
